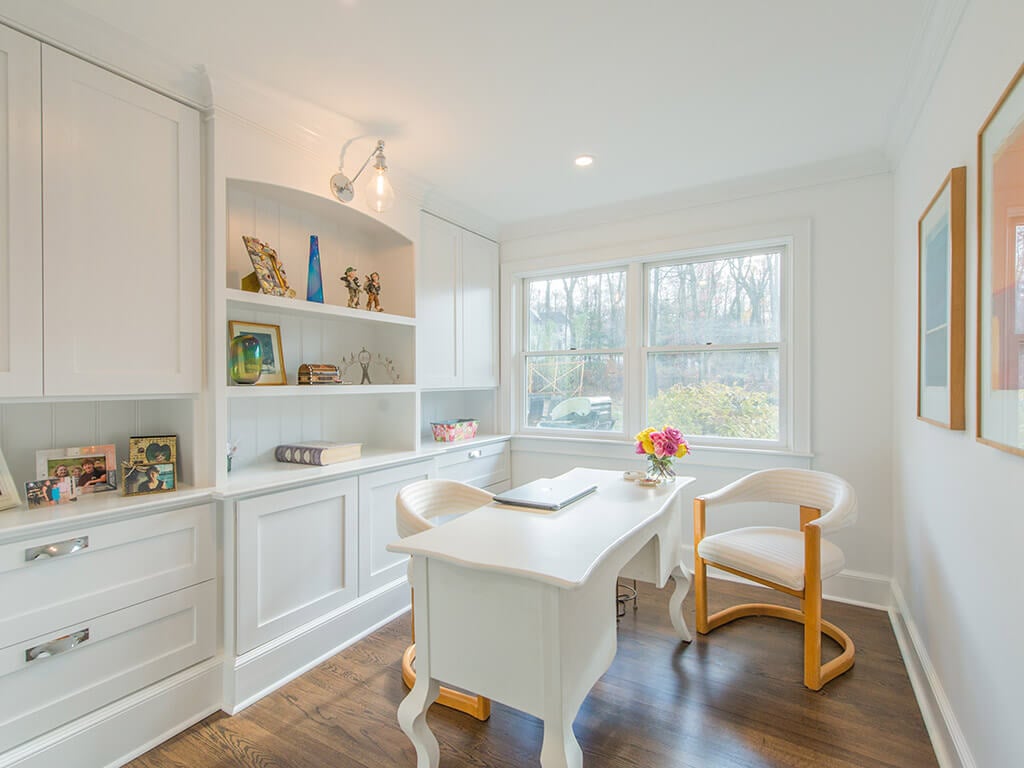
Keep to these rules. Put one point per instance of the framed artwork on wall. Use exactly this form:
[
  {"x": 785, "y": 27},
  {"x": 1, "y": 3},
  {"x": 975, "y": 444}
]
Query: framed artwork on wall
[
  {"x": 8, "y": 490},
  {"x": 941, "y": 295},
  {"x": 1000, "y": 416},
  {"x": 269, "y": 337}
]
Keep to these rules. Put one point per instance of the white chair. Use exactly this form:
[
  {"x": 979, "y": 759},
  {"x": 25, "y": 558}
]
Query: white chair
[
  {"x": 417, "y": 507},
  {"x": 790, "y": 561}
]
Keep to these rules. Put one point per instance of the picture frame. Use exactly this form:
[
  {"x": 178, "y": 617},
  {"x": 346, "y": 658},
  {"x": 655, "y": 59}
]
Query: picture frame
[
  {"x": 267, "y": 266},
  {"x": 8, "y": 490},
  {"x": 1000, "y": 341},
  {"x": 274, "y": 370},
  {"x": 941, "y": 304},
  {"x": 153, "y": 449},
  {"x": 146, "y": 479},
  {"x": 50, "y": 491},
  {"x": 97, "y": 464}
]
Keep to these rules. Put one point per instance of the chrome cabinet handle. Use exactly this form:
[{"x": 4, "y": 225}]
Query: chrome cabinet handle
[
  {"x": 58, "y": 645},
  {"x": 56, "y": 549},
  {"x": 476, "y": 454}
]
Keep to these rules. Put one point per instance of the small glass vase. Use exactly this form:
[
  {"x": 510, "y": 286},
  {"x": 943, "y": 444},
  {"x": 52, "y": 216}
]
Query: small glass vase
[
  {"x": 314, "y": 280},
  {"x": 246, "y": 358},
  {"x": 660, "y": 470}
]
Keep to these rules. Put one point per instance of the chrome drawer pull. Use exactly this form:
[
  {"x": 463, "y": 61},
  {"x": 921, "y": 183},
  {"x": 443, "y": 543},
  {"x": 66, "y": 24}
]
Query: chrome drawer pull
[
  {"x": 60, "y": 645},
  {"x": 57, "y": 549},
  {"x": 476, "y": 454}
]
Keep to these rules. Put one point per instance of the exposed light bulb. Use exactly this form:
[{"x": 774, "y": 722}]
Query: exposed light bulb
[
  {"x": 584, "y": 160},
  {"x": 380, "y": 196}
]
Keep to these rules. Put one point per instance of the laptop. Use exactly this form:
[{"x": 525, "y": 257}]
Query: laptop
[{"x": 547, "y": 493}]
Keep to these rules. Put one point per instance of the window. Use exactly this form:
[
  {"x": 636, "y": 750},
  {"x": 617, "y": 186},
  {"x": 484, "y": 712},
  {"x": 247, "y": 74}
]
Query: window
[
  {"x": 714, "y": 342},
  {"x": 703, "y": 340},
  {"x": 575, "y": 351}
]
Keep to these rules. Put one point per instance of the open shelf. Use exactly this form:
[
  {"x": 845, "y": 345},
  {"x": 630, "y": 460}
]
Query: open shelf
[
  {"x": 317, "y": 390},
  {"x": 299, "y": 308}
]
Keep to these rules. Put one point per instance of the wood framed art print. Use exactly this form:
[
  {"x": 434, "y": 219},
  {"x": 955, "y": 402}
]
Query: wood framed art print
[
  {"x": 941, "y": 295},
  {"x": 1000, "y": 416},
  {"x": 269, "y": 337}
]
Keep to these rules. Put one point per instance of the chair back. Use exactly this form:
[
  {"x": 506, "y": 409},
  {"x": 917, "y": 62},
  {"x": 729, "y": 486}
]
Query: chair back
[
  {"x": 830, "y": 493},
  {"x": 418, "y": 504}
]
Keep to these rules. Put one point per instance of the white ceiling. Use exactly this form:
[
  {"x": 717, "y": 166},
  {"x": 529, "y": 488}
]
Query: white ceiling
[{"x": 490, "y": 102}]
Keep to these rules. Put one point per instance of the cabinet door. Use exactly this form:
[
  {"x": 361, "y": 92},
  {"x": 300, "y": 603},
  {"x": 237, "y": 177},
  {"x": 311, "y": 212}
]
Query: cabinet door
[
  {"x": 21, "y": 225},
  {"x": 296, "y": 558},
  {"x": 480, "y": 307},
  {"x": 121, "y": 242},
  {"x": 377, "y": 529},
  {"x": 438, "y": 315}
]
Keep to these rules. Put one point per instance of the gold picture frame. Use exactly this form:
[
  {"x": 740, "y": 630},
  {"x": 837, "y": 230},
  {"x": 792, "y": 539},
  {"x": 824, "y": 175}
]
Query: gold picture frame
[
  {"x": 8, "y": 490},
  {"x": 941, "y": 304},
  {"x": 267, "y": 268},
  {"x": 274, "y": 372},
  {"x": 1000, "y": 342}
]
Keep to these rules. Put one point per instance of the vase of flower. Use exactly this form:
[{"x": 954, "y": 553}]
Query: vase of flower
[{"x": 660, "y": 448}]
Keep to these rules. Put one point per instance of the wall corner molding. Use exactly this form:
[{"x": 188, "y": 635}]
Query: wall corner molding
[
  {"x": 948, "y": 740},
  {"x": 927, "y": 57}
]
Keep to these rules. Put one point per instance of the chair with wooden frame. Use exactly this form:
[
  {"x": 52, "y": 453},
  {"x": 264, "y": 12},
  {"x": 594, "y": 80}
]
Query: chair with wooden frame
[
  {"x": 790, "y": 561},
  {"x": 418, "y": 506}
]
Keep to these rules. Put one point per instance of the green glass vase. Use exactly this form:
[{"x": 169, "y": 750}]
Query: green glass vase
[{"x": 246, "y": 359}]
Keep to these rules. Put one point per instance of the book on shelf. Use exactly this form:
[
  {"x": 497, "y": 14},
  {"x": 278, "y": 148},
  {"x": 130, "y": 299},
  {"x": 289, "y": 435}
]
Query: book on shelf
[{"x": 318, "y": 453}]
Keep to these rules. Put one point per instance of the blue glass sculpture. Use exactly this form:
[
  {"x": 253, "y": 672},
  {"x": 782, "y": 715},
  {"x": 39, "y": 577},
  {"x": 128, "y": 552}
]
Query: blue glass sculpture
[{"x": 315, "y": 283}]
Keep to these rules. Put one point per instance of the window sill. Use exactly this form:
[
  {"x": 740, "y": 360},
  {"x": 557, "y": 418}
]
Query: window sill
[{"x": 700, "y": 456}]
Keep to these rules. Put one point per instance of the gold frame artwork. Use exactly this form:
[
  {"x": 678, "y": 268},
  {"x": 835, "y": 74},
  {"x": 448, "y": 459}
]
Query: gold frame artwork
[
  {"x": 1000, "y": 336},
  {"x": 278, "y": 375},
  {"x": 267, "y": 267},
  {"x": 9, "y": 496},
  {"x": 941, "y": 304}
]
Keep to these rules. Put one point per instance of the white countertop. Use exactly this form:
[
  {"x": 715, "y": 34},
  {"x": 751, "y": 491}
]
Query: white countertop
[{"x": 561, "y": 547}]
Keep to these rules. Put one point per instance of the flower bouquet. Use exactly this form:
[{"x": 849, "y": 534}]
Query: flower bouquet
[{"x": 660, "y": 448}]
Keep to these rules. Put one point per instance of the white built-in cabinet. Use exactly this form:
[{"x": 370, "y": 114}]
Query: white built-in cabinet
[
  {"x": 457, "y": 300},
  {"x": 21, "y": 247},
  {"x": 121, "y": 204}
]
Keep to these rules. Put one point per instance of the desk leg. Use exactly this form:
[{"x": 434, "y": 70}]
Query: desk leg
[
  {"x": 560, "y": 748},
  {"x": 681, "y": 577},
  {"x": 412, "y": 712}
]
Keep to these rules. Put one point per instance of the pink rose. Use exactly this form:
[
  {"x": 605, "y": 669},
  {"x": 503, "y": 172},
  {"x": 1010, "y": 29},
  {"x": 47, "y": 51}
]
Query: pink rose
[{"x": 663, "y": 445}]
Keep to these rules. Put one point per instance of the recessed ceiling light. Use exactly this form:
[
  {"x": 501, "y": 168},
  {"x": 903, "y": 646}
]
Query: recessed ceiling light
[{"x": 584, "y": 160}]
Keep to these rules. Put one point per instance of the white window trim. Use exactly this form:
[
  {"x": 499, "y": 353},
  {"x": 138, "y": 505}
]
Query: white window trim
[{"x": 796, "y": 320}]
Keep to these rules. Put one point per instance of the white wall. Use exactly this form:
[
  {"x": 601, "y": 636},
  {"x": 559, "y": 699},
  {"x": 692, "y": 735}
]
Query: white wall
[
  {"x": 851, "y": 361},
  {"x": 959, "y": 505}
]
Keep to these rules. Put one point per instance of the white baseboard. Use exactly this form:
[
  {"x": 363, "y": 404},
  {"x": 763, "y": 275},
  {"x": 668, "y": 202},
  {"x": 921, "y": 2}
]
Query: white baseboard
[
  {"x": 122, "y": 731},
  {"x": 948, "y": 741},
  {"x": 869, "y": 590},
  {"x": 270, "y": 666}
]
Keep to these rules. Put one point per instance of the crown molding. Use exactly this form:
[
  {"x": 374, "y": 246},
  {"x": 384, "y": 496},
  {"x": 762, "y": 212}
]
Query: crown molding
[{"x": 928, "y": 53}]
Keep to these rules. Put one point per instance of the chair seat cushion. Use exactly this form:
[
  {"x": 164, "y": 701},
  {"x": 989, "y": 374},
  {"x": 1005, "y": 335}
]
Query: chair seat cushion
[{"x": 773, "y": 554}]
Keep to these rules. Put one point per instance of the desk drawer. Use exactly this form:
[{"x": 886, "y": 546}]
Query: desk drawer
[
  {"x": 479, "y": 466},
  {"x": 116, "y": 655},
  {"x": 102, "y": 568}
]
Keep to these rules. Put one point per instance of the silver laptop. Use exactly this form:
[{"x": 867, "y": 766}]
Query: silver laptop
[{"x": 547, "y": 493}]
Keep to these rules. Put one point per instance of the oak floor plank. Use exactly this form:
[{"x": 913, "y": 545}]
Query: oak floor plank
[{"x": 731, "y": 699}]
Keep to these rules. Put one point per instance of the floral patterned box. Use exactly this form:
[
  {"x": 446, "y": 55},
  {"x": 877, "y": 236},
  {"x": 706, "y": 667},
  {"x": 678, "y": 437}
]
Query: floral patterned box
[{"x": 455, "y": 429}]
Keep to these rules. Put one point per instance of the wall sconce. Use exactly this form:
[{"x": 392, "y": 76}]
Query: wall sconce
[{"x": 379, "y": 193}]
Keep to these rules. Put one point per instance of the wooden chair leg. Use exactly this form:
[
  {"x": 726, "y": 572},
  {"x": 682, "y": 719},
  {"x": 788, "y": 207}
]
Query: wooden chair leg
[{"x": 700, "y": 568}]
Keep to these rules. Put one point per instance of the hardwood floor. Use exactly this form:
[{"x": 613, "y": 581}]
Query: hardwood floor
[{"x": 731, "y": 699}]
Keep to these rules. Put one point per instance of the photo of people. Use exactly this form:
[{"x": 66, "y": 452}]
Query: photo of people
[
  {"x": 90, "y": 468},
  {"x": 148, "y": 478},
  {"x": 52, "y": 490},
  {"x": 160, "y": 449}
]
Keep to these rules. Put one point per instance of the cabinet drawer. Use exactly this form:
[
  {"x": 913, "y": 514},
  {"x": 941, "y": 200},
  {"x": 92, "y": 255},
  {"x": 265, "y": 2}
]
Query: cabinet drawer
[
  {"x": 124, "y": 651},
  {"x": 480, "y": 466},
  {"x": 102, "y": 568}
]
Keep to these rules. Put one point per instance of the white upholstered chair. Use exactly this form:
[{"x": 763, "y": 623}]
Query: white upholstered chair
[
  {"x": 791, "y": 561},
  {"x": 418, "y": 507}
]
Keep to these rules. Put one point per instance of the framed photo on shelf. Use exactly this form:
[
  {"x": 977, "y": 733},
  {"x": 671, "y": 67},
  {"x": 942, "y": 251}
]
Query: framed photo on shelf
[
  {"x": 941, "y": 297},
  {"x": 92, "y": 468},
  {"x": 8, "y": 490},
  {"x": 49, "y": 491},
  {"x": 159, "y": 449},
  {"x": 267, "y": 267},
  {"x": 141, "y": 479},
  {"x": 269, "y": 336},
  {"x": 1000, "y": 416}
]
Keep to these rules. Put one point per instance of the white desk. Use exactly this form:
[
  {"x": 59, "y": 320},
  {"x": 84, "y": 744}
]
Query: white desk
[{"x": 519, "y": 606}]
